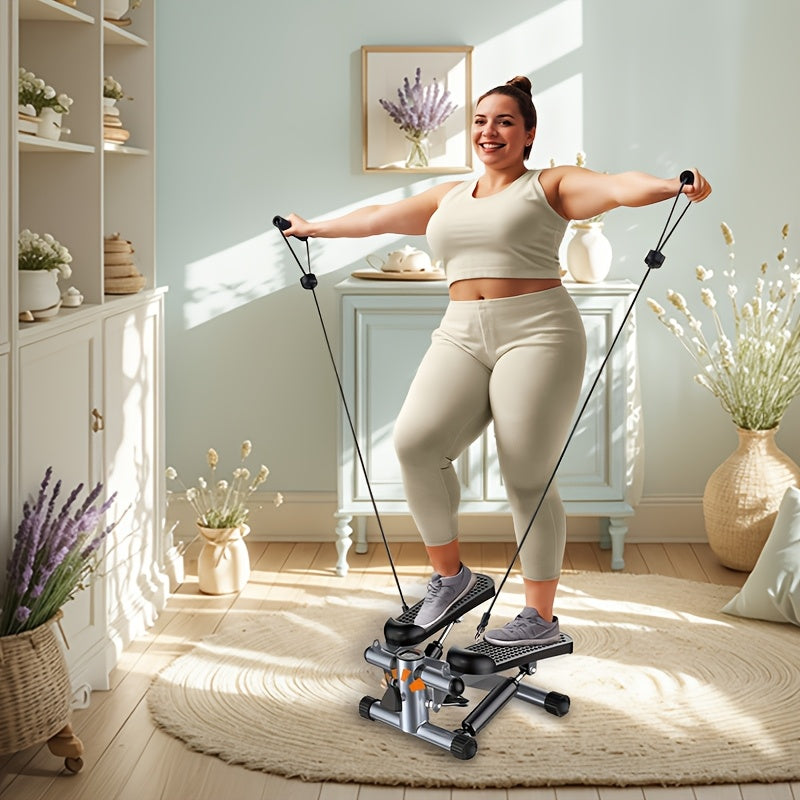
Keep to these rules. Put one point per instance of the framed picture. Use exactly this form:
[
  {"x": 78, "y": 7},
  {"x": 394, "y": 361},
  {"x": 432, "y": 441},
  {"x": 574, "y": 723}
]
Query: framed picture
[{"x": 424, "y": 128}]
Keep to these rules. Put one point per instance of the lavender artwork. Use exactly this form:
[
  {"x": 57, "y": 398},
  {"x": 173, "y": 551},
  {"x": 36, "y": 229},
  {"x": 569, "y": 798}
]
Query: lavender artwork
[{"x": 420, "y": 110}]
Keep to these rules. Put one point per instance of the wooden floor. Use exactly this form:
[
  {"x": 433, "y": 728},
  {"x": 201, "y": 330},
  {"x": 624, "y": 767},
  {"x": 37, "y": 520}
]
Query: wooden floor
[{"x": 128, "y": 758}]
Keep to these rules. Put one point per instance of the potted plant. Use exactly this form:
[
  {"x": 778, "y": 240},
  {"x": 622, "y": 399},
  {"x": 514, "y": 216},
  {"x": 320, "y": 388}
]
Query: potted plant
[
  {"x": 39, "y": 103},
  {"x": 41, "y": 261},
  {"x": 755, "y": 373},
  {"x": 221, "y": 507},
  {"x": 56, "y": 553}
]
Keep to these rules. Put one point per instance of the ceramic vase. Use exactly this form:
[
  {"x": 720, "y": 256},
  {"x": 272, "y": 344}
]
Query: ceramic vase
[
  {"x": 38, "y": 289},
  {"x": 742, "y": 496},
  {"x": 49, "y": 124},
  {"x": 223, "y": 566},
  {"x": 115, "y": 9},
  {"x": 589, "y": 253}
]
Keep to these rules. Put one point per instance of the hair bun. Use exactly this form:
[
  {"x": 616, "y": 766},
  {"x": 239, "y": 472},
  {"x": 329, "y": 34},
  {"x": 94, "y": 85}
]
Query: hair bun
[{"x": 522, "y": 83}]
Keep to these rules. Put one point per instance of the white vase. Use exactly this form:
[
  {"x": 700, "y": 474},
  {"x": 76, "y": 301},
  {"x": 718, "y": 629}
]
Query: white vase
[
  {"x": 38, "y": 289},
  {"x": 115, "y": 9},
  {"x": 223, "y": 565},
  {"x": 589, "y": 253},
  {"x": 49, "y": 124}
]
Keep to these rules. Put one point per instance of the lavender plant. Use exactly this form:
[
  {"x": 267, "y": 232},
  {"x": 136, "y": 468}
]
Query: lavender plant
[
  {"x": 755, "y": 372},
  {"x": 420, "y": 111},
  {"x": 55, "y": 555}
]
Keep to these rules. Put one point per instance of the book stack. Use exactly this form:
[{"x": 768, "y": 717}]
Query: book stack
[
  {"x": 112, "y": 126},
  {"x": 120, "y": 275}
]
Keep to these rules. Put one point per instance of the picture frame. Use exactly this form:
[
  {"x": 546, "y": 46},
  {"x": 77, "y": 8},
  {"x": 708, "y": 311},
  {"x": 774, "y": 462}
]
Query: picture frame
[{"x": 387, "y": 148}]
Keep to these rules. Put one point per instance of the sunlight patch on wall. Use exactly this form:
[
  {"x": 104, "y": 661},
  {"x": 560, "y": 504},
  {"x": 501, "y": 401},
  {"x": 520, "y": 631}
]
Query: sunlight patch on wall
[{"x": 263, "y": 265}]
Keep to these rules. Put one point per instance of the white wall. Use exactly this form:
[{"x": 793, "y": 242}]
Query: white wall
[{"x": 259, "y": 113}]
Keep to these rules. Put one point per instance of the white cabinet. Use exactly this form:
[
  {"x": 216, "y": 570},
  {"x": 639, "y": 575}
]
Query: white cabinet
[
  {"x": 385, "y": 330},
  {"x": 83, "y": 390}
]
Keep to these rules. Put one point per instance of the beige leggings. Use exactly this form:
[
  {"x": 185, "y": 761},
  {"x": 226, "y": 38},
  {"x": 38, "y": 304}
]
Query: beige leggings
[{"x": 517, "y": 361}]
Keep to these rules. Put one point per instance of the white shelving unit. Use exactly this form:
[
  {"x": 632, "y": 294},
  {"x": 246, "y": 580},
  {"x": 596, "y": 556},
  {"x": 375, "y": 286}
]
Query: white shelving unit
[{"x": 83, "y": 391}]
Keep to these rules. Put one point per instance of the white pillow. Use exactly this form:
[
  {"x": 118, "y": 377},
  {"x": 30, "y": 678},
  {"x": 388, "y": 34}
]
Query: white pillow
[{"x": 772, "y": 590}]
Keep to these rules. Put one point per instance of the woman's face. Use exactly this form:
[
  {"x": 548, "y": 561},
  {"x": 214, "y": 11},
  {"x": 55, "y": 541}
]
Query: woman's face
[{"x": 498, "y": 131}]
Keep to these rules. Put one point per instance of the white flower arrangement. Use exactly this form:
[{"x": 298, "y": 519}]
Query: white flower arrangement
[
  {"x": 112, "y": 89},
  {"x": 34, "y": 95},
  {"x": 755, "y": 373},
  {"x": 43, "y": 252},
  {"x": 218, "y": 503}
]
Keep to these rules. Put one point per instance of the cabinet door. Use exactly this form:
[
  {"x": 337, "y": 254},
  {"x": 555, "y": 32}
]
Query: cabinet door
[
  {"x": 131, "y": 388},
  {"x": 59, "y": 409}
]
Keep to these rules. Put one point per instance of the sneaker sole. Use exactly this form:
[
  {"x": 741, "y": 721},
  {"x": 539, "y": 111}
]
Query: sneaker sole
[
  {"x": 523, "y": 642},
  {"x": 447, "y": 610}
]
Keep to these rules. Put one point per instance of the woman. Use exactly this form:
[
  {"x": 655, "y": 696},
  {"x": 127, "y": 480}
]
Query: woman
[{"x": 510, "y": 348}]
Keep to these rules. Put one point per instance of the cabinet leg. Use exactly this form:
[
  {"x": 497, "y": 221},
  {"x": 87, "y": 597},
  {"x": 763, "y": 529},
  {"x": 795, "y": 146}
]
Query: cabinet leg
[
  {"x": 361, "y": 535},
  {"x": 617, "y": 528},
  {"x": 343, "y": 541}
]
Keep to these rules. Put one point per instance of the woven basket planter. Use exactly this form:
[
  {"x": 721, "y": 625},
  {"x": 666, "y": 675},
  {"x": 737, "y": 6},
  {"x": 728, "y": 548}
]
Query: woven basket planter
[
  {"x": 742, "y": 497},
  {"x": 35, "y": 688}
]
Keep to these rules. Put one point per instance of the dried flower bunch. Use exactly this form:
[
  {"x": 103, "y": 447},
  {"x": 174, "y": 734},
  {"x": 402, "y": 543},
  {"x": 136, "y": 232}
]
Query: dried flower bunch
[
  {"x": 43, "y": 252},
  {"x": 218, "y": 503},
  {"x": 113, "y": 88},
  {"x": 55, "y": 555},
  {"x": 34, "y": 95},
  {"x": 755, "y": 373}
]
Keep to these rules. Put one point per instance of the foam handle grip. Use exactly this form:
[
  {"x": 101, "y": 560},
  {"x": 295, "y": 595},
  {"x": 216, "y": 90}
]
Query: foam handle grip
[
  {"x": 283, "y": 224},
  {"x": 687, "y": 177}
]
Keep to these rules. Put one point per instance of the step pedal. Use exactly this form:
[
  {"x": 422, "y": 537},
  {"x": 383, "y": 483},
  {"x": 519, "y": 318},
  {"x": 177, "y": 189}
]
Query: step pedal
[
  {"x": 403, "y": 632},
  {"x": 483, "y": 658}
]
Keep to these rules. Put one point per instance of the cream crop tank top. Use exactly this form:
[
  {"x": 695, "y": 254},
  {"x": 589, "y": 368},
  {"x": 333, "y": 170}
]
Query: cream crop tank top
[{"x": 514, "y": 233}]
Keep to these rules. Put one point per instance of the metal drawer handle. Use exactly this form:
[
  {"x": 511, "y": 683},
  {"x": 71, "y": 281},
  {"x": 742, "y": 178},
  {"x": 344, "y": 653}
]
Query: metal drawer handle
[{"x": 98, "y": 423}]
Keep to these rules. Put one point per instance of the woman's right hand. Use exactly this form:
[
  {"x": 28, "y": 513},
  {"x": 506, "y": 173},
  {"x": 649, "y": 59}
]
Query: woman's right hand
[{"x": 299, "y": 226}]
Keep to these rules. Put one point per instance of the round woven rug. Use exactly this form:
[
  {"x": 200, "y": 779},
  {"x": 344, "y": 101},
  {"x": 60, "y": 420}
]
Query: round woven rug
[{"x": 665, "y": 690}]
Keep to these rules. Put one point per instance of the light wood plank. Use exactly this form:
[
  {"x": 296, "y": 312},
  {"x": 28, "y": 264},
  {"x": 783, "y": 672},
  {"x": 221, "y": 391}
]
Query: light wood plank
[
  {"x": 479, "y": 794},
  {"x": 417, "y": 793},
  {"x": 766, "y": 791},
  {"x": 721, "y": 792},
  {"x": 339, "y": 791},
  {"x": 582, "y": 556},
  {"x": 621, "y": 793},
  {"x": 576, "y": 793},
  {"x": 657, "y": 560},
  {"x": 634, "y": 561},
  {"x": 532, "y": 793},
  {"x": 683, "y": 559},
  {"x": 714, "y": 570},
  {"x": 381, "y": 793},
  {"x": 668, "y": 793}
]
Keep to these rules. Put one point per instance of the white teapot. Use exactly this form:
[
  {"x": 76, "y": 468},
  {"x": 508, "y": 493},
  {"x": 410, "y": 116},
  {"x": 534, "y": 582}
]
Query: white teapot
[{"x": 409, "y": 259}]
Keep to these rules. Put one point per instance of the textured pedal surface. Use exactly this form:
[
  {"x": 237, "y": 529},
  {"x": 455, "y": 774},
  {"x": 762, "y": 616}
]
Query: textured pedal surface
[
  {"x": 403, "y": 630},
  {"x": 483, "y": 658}
]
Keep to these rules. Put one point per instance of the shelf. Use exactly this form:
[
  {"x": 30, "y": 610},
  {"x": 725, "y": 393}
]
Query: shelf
[
  {"x": 113, "y": 147},
  {"x": 113, "y": 34},
  {"x": 52, "y": 11},
  {"x": 32, "y": 144}
]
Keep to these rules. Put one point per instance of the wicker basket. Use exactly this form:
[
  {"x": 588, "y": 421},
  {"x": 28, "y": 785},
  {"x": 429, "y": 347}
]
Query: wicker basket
[
  {"x": 742, "y": 497},
  {"x": 35, "y": 688}
]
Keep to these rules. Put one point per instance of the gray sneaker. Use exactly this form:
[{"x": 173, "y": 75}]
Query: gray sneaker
[
  {"x": 442, "y": 594},
  {"x": 528, "y": 628}
]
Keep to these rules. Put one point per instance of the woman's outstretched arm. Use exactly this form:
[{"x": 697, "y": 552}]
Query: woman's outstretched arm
[
  {"x": 408, "y": 216},
  {"x": 580, "y": 193}
]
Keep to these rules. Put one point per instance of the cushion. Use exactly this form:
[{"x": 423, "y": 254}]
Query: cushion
[{"x": 772, "y": 590}]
